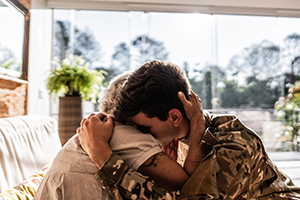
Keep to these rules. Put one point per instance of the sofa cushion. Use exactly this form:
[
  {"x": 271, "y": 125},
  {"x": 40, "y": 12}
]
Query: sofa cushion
[
  {"x": 27, "y": 143},
  {"x": 27, "y": 188}
]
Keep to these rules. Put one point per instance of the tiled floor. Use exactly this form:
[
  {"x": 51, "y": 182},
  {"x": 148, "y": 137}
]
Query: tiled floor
[{"x": 289, "y": 163}]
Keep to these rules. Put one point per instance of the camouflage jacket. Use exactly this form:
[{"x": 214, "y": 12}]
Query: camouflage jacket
[{"x": 236, "y": 167}]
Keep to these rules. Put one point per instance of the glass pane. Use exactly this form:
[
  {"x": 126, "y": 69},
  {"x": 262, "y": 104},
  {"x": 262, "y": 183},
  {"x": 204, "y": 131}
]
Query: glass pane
[
  {"x": 11, "y": 40},
  {"x": 189, "y": 40},
  {"x": 237, "y": 64},
  {"x": 257, "y": 55},
  {"x": 249, "y": 52}
]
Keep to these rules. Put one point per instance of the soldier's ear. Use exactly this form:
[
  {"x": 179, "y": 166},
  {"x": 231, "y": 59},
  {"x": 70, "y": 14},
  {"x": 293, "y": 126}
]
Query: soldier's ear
[{"x": 175, "y": 116}]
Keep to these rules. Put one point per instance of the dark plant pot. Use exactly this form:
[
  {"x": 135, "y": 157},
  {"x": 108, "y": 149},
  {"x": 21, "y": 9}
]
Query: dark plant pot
[{"x": 70, "y": 115}]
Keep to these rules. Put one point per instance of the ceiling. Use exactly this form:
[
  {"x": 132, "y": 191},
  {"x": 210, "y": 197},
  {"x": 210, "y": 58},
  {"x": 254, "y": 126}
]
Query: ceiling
[{"x": 284, "y": 8}]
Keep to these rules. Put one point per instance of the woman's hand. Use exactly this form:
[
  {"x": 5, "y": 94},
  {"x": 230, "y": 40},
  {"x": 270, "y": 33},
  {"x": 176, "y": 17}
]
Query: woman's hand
[{"x": 94, "y": 135}]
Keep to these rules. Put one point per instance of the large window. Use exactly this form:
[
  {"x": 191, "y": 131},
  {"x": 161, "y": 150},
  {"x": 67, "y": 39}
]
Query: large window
[
  {"x": 242, "y": 65},
  {"x": 11, "y": 40}
]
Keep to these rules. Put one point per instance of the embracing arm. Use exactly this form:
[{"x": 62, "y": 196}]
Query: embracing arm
[
  {"x": 117, "y": 178},
  {"x": 161, "y": 168},
  {"x": 96, "y": 145},
  {"x": 165, "y": 171}
]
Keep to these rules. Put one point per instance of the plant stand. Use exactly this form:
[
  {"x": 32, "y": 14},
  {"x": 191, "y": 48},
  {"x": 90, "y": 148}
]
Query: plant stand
[{"x": 69, "y": 118}]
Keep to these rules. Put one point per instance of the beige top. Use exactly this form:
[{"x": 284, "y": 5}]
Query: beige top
[{"x": 71, "y": 175}]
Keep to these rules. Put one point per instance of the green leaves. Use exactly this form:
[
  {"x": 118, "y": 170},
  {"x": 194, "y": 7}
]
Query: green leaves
[
  {"x": 72, "y": 77},
  {"x": 8, "y": 63}
]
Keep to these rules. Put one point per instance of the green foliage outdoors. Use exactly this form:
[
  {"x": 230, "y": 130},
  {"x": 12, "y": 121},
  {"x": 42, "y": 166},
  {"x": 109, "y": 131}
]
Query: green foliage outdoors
[
  {"x": 287, "y": 109},
  {"x": 12, "y": 63},
  {"x": 85, "y": 43},
  {"x": 258, "y": 65},
  {"x": 9, "y": 62},
  {"x": 72, "y": 77}
]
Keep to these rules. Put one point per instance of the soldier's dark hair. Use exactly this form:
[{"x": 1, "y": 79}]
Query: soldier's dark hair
[{"x": 152, "y": 89}]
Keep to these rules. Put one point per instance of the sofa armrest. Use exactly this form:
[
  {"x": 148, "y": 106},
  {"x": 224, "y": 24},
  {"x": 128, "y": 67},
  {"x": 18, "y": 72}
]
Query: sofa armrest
[{"x": 27, "y": 143}]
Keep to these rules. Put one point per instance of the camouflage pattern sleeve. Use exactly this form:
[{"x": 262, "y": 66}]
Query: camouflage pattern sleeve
[
  {"x": 123, "y": 182},
  {"x": 236, "y": 166}
]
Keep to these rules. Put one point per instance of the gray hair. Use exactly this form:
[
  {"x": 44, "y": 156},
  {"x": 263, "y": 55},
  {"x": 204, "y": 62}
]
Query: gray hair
[{"x": 108, "y": 95}]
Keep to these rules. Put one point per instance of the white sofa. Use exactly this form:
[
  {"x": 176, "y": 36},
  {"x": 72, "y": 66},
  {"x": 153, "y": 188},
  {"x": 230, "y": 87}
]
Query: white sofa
[{"x": 27, "y": 144}]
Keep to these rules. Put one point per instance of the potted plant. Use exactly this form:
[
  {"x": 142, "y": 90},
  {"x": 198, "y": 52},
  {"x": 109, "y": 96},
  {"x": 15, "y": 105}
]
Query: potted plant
[{"x": 72, "y": 81}]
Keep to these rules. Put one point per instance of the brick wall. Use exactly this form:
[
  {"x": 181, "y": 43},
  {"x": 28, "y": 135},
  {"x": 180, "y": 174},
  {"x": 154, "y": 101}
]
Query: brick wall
[{"x": 13, "y": 97}]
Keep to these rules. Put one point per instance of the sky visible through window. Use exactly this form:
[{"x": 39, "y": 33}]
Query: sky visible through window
[
  {"x": 213, "y": 49},
  {"x": 198, "y": 39},
  {"x": 11, "y": 35}
]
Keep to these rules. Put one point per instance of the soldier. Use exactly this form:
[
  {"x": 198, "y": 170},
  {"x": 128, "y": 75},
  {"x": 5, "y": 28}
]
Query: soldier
[{"x": 226, "y": 159}]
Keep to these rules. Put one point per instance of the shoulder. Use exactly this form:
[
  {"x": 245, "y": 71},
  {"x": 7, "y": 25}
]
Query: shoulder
[
  {"x": 130, "y": 135},
  {"x": 132, "y": 145},
  {"x": 124, "y": 128},
  {"x": 231, "y": 128},
  {"x": 72, "y": 158}
]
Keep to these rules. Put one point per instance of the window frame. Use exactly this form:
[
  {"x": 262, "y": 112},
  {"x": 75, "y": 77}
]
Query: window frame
[{"x": 25, "y": 53}]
